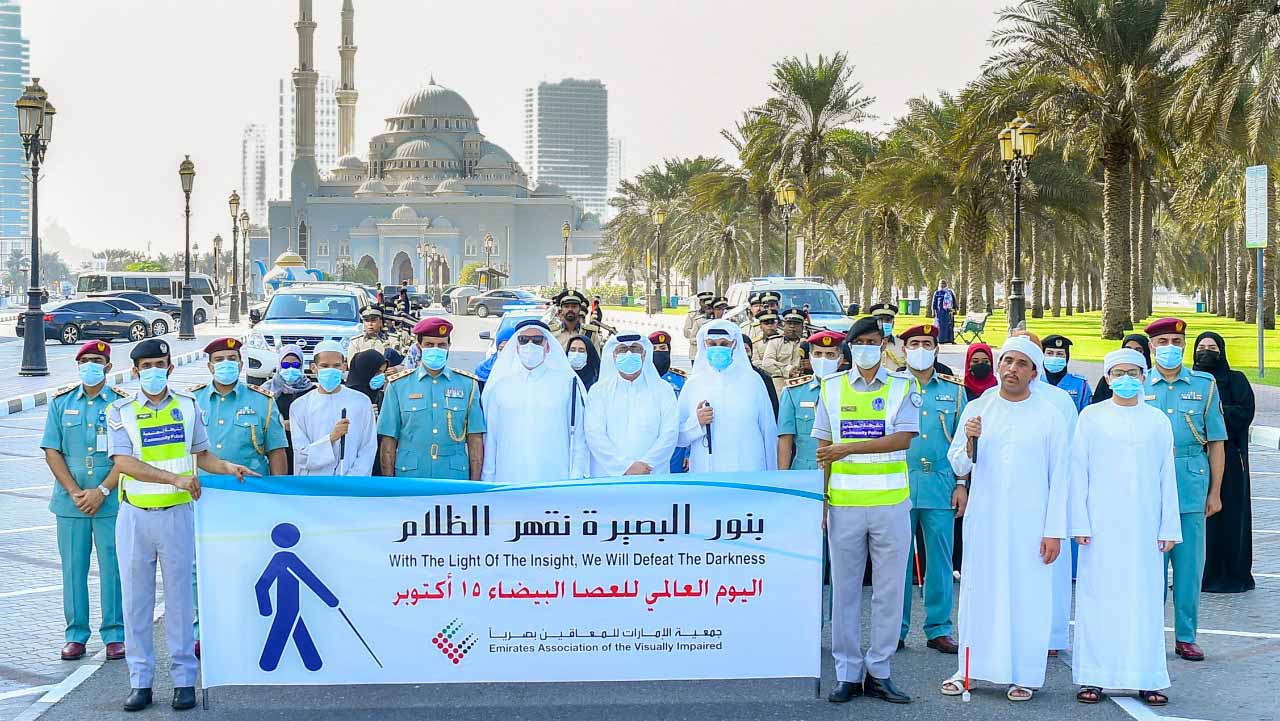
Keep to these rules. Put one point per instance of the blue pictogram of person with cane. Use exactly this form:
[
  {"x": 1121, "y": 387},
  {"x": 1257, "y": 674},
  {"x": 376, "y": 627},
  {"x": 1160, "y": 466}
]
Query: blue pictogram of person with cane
[{"x": 286, "y": 571}]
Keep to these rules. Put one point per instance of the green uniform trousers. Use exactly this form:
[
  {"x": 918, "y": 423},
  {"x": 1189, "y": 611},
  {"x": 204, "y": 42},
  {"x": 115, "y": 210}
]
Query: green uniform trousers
[
  {"x": 77, "y": 539},
  {"x": 937, "y": 525},
  {"x": 1187, "y": 559}
]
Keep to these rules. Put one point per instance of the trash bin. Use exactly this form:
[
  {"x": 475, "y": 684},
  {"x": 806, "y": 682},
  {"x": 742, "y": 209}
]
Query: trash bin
[
  {"x": 903, "y": 305},
  {"x": 913, "y": 306},
  {"x": 1200, "y": 306},
  {"x": 674, "y": 302},
  {"x": 854, "y": 309},
  {"x": 626, "y": 301}
]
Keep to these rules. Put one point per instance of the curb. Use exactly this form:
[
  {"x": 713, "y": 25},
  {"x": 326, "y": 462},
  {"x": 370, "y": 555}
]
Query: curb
[{"x": 25, "y": 402}]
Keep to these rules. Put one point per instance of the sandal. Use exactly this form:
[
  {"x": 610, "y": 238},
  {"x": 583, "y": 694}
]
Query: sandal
[
  {"x": 1153, "y": 698},
  {"x": 1089, "y": 694},
  {"x": 1018, "y": 693},
  {"x": 952, "y": 687}
]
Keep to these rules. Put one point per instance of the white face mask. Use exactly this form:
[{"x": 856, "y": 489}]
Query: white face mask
[
  {"x": 866, "y": 356},
  {"x": 823, "y": 367},
  {"x": 921, "y": 359},
  {"x": 577, "y": 359},
  {"x": 531, "y": 356}
]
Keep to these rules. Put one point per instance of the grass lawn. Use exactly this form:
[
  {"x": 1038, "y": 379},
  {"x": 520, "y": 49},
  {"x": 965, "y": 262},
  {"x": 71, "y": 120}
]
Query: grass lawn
[
  {"x": 640, "y": 309},
  {"x": 1083, "y": 330}
]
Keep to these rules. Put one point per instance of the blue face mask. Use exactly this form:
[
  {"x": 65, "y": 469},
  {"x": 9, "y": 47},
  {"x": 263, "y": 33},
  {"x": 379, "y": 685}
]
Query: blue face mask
[
  {"x": 628, "y": 363},
  {"x": 1055, "y": 365},
  {"x": 91, "y": 374},
  {"x": 290, "y": 375},
  {"x": 719, "y": 356},
  {"x": 434, "y": 358},
  {"x": 376, "y": 382},
  {"x": 226, "y": 372},
  {"x": 1126, "y": 387},
  {"x": 154, "y": 380},
  {"x": 1168, "y": 356},
  {"x": 329, "y": 379},
  {"x": 887, "y": 328}
]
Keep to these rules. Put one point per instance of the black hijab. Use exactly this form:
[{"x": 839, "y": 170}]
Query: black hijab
[
  {"x": 1218, "y": 366},
  {"x": 364, "y": 366},
  {"x": 591, "y": 371},
  {"x": 1141, "y": 340}
]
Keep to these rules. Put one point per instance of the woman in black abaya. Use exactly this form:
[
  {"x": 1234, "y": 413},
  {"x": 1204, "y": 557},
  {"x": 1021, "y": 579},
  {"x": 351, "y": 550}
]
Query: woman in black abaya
[{"x": 1229, "y": 533}]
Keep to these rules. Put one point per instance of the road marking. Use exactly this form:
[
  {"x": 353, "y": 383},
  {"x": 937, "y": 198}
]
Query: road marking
[
  {"x": 1267, "y": 575},
  {"x": 28, "y": 528},
  {"x": 35, "y": 590},
  {"x": 1237, "y": 634},
  {"x": 24, "y": 692},
  {"x": 68, "y": 684},
  {"x": 1142, "y": 712},
  {"x": 46, "y": 487},
  {"x": 1273, "y": 533},
  {"x": 1265, "y": 498}
]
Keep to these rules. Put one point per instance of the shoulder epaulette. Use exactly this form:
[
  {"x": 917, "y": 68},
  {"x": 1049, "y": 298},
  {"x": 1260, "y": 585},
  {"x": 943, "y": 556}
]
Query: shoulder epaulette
[
  {"x": 1205, "y": 375},
  {"x": 798, "y": 381},
  {"x": 467, "y": 374},
  {"x": 122, "y": 392},
  {"x": 679, "y": 371},
  {"x": 261, "y": 390},
  {"x": 402, "y": 373},
  {"x": 184, "y": 394},
  {"x": 198, "y": 386},
  {"x": 951, "y": 379},
  {"x": 63, "y": 391}
]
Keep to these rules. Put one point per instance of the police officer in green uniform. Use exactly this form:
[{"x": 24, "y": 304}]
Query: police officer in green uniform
[
  {"x": 1189, "y": 398},
  {"x": 84, "y": 501},
  {"x": 244, "y": 426},
  {"x": 431, "y": 424},
  {"x": 819, "y": 357},
  {"x": 937, "y": 496}
]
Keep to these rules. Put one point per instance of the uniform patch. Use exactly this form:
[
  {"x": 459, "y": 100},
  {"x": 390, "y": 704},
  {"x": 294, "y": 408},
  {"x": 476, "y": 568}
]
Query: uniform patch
[
  {"x": 917, "y": 400},
  {"x": 71, "y": 412},
  {"x": 453, "y": 393},
  {"x": 861, "y": 429},
  {"x": 162, "y": 435},
  {"x": 1192, "y": 396},
  {"x": 877, "y": 404},
  {"x": 415, "y": 396},
  {"x": 943, "y": 397},
  {"x": 177, "y": 414},
  {"x": 808, "y": 404}
]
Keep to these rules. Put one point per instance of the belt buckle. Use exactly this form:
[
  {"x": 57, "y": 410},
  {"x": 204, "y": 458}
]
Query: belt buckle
[
  {"x": 88, "y": 463},
  {"x": 435, "y": 451},
  {"x": 926, "y": 465}
]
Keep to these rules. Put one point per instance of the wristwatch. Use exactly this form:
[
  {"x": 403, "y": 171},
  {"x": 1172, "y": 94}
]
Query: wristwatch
[
  {"x": 106, "y": 492},
  {"x": 962, "y": 483}
]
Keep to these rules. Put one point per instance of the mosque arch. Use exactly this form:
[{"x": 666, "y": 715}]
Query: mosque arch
[
  {"x": 402, "y": 268},
  {"x": 368, "y": 263}
]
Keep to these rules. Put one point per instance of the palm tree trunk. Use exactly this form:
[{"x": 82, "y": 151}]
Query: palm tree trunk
[
  {"x": 888, "y": 257},
  {"x": 1241, "y": 263},
  {"x": 1138, "y": 199},
  {"x": 1211, "y": 292},
  {"x": 1232, "y": 277},
  {"x": 1116, "y": 192},
  {"x": 973, "y": 261},
  {"x": 1269, "y": 254},
  {"x": 962, "y": 282},
  {"x": 1148, "y": 251},
  {"x": 1251, "y": 288},
  {"x": 989, "y": 281},
  {"x": 762, "y": 240},
  {"x": 866, "y": 268},
  {"x": 1220, "y": 293},
  {"x": 1055, "y": 277},
  {"x": 1037, "y": 269}
]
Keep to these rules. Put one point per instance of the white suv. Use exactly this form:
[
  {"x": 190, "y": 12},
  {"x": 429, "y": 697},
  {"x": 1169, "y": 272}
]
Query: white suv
[
  {"x": 302, "y": 316},
  {"x": 825, "y": 309}
]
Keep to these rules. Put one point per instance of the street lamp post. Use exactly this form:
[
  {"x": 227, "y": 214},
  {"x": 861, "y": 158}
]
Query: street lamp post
[
  {"x": 35, "y": 125},
  {"x": 490, "y": 246},
  {"x": 1017, "y": 147},
  {"x": 217, "y": 300},
  {"x": 234, "y": 204},
  {"x": 244, "y": 263},
  {"x": 187, "y": 326},
  {"x": 564, "y": 269},
  {"x": 659, "y": 217},
  {"x": 785, "y": 197}
]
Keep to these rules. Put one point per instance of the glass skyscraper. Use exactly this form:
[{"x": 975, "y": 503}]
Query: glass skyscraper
[
  {"x": 15, "y": 198},
  {"x": 566, "y": 139}
]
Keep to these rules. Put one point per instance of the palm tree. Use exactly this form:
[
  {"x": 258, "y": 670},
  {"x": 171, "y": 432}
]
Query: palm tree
[{"x": 746, "y": 184}]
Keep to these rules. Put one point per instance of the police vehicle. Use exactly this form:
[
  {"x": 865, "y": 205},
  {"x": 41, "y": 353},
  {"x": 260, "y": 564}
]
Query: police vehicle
[
  {"x": 303, "y": 315},
  {"x": 825, "y": 309}
]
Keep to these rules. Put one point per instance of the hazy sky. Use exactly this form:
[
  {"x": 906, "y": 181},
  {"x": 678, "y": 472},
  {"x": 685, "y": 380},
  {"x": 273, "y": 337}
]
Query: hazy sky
[{"x": 138, "y": 83}]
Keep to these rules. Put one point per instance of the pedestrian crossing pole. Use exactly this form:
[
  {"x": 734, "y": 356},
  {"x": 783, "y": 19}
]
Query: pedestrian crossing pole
[
  {"x": 1257, "y": 232},
  {"x": 1261, "y": 353}
]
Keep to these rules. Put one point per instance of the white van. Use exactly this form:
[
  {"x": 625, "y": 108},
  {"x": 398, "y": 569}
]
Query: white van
[{"x": 165, "y": 286}]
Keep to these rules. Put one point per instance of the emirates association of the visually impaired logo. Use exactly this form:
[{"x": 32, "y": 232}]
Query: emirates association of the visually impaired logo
[{"x": 454, "y": 650}]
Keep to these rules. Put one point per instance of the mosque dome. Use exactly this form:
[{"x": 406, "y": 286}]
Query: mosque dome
[
  {"x": 290, "y": 258},
  {"x": 351, "y": 162},
  {"x": 548, "y": 189},
  {"x": 424, "y": 150},
  {"x": 372, "y": 186},
  {"x": 493, "y": 161},
  {"x": 450, "y": 186},
  {"x": 434, "y": 100},
  {"x": 442, "y": 223},
  {"x": 404, "y": 212},
  {"x": 413, "y": 187}
]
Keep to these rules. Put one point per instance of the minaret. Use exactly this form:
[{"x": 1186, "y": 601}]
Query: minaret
[
  {"x": 347, "y": 86},
  {"x": 305, "y": 79}
]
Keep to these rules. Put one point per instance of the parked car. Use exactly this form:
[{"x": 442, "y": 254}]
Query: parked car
[
  {"x": 303, "y": 315},
  {"x": 497, "y": 302},
  {"x": 79, "y": 320},
  {"x": 158, "y": 323},
  {"x": 456, "y": 293},
  {"x": 146, "y": 300},
  {"x": 825, "y": 309}
]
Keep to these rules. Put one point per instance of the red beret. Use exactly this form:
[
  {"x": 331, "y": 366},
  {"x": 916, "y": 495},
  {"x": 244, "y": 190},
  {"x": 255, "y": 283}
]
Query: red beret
[
  {"x": 924, "y": 329},
  {"x": 96, "y": 347},
  {"x": 826, "y": 339},
  {"x": 433, "y": 325},
  {"x": 218, "y": 344},
  {"x": 1164, "y": 326},
  {"x": 659, "y": 337}
]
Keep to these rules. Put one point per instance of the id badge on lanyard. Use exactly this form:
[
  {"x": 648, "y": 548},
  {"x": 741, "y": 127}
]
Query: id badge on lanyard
[{"x": 102, "y": 432}]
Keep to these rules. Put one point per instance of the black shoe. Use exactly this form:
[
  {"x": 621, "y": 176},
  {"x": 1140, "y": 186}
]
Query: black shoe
[
  {"x": 139, "y": 698},
  {"x": 844, "y": 692},
  {"x": 882, "y": 688},
  {"x": 184, "y": 698},
  {"x": 902, "y": 643}
]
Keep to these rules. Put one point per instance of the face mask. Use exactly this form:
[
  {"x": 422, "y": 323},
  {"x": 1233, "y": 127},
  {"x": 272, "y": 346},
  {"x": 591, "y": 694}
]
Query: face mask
[
  {"x": 921, "y": 359},
  {"x": 226, "y": 372},
  {"x": 662, "y": 361},
  {"x": 1055, "y": 365},
  {"x": 91, "y": 374},
  {"x": 1126, "y": 387},
  {"x": 1207, "y": 359},
  {"x": 434, "y": 358},
  {"x": 1168, "y": 356},
  {"x": 376, "y": 382},
  {"x": 290, "y": 375},
  {"x": 823, "y": 367},
  {"x": 981, "y": 371},
  {"x": 577, "y": 359},
  {"x": 887, "y": 328},
  {"x": 628, "y": 363},
  {"x": 866, "y": 356},
  {"x": 531, "y": 356},
  {"x": 154, "y": 380},
  {"x": 719, "y": 356},
  {"x": 329, "y": 379}
]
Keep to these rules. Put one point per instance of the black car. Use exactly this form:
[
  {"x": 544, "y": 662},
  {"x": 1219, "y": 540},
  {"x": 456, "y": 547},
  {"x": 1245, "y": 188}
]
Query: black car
[
  {"x": 80, "y": 320},
  {"x": 494, "y": 302},
  {"x": 148, "y": 301}
]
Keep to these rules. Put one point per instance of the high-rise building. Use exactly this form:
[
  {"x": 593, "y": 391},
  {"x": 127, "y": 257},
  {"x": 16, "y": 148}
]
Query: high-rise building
[
  {"x": 566, "y": 138},
  {"x": 253, "y": 172},
  {"x": 15, "y": 197},
  {"x": 617, "y": 172},
  {"x": 326, "y": 130}
]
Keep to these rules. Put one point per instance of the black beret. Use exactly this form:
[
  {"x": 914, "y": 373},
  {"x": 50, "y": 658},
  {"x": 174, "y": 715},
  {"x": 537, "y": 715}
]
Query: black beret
[
  {"x": 1056, "y": 341},
  {"x": 863, "y": 326},
  {"x": 149, "y": 348}
]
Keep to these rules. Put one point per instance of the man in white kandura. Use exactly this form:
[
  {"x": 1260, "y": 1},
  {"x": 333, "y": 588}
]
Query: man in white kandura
[
  {"x": 535, "y": 407},
  {"x": 726, "y": 417},
  {"x": 1124, "y": 515},
  {"x": 333, "y": 426},
  {"x": 632, "y": 420},
  {"x": 1015, "y": 448}
]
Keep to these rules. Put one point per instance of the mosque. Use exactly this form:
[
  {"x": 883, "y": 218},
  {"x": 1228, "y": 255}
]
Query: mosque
[{"x": 430, "y": 187}]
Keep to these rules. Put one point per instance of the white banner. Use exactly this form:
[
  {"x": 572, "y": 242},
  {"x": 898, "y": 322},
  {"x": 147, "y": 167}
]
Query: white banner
[{"x": 330, "y": 580}]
